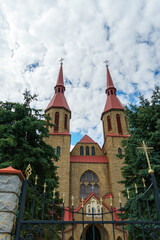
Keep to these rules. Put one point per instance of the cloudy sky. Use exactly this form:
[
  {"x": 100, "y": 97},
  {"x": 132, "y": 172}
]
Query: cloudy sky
[{"x": 35, "y": 34}]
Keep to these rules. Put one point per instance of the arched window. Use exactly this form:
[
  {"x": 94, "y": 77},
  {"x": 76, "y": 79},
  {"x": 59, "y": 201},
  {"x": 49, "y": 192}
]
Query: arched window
[
  {"x": 81, "y": 151},
  {"x": 93, "y": 151},
  {"x": 89, "y": 189},
  {"x": 96, "y": 189},
  {"x": 108, "y": 93},
  {"x": 109, "y": 123},
  {"x": 65, "y": 121},
  {"x": 112, "y": 92},
  {"x": 119, "y": 151},
  {"x": 83, "y": 190},
  {"x": 87, "y": 151},
  {"x": 58, "y": 89},
  {"x": 89, "y": 184},
  {"x": 119, "y": 124},
  {"x": 56, "y": 121},
  {"x": 89, "y": 209},
  {"x": 58, "y": 152}
]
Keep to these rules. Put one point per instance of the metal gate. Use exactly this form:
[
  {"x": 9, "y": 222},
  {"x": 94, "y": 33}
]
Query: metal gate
[{"x": 143, "y": 222}]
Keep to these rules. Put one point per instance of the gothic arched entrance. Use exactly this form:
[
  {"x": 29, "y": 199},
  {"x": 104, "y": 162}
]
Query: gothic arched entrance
[{"x": 89, "y": 233}]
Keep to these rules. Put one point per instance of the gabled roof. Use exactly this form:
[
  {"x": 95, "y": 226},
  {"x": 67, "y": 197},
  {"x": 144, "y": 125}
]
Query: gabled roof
[
  {"x": 86, "y": 139},
  {"x": 87, "y": 199}
]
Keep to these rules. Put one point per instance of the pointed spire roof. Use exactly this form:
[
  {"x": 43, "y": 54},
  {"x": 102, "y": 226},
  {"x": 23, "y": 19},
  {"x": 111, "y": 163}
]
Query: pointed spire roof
[
  {"x": 86, "y": 139},
  {"x": 112, "y": 100},
  {"x": 109, "y": 80},
  {"x": 59, "y": 99},
  {"x": 60, "y": 77}
]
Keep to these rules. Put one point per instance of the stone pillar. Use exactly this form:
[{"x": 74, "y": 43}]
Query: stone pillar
[{"x": 10, "y": 189}]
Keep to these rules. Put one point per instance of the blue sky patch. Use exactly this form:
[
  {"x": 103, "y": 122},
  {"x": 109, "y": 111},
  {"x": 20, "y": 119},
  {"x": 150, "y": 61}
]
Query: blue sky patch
[{"x": 31, "y": 67}]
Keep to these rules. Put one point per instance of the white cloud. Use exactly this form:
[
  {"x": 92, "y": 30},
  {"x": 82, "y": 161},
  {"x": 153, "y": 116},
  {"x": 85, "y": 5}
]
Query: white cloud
[{"x": 84, "y": 33}]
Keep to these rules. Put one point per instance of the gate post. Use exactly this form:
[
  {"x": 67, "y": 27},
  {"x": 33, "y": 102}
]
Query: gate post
[{"x": 10, "y": 189}]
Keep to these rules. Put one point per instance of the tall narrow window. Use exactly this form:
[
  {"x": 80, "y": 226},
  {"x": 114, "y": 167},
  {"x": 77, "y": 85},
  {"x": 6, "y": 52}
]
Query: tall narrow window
[
  {"x": 65, "y": 121},
  {"x": 119, "y": 151},
  {"x": 56, "y": 121},
  {"x": 109, "y": 123},
  {"x": 81, "y": 151},
  {"x": 93, "y": 151},
  {"x": 87, "y": 151},
  {"x": 58, "y": 152},
  {"x": 119, "y": 124}
]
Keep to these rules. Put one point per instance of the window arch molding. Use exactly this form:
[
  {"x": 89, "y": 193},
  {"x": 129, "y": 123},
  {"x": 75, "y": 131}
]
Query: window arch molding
[{"x": 89, "y": 183}]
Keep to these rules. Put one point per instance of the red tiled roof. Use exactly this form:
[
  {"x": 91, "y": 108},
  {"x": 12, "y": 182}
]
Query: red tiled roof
[
  {"x": 112, "y": 100},
  {"x": 89, "y": 159},
  {"x": 115, "y": 135},
  {"x": 112, "y": 103},
  {"x": 86, "y": 139},
  {"x": 59, "y": 99}
]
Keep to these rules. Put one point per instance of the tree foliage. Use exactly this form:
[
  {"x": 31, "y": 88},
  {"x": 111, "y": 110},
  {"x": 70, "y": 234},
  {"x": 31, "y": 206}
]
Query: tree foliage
[
  {"x": 22, "y": 133},
  {"x": 144, "y": 122}
]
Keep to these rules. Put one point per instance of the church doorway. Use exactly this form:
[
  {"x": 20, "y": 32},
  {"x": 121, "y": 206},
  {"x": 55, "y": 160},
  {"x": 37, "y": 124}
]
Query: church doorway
[{"x": 89, "y": 233}]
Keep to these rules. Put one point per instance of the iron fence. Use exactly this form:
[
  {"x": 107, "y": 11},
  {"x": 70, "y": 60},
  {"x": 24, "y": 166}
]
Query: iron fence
[{"x": 49, "y": 221}]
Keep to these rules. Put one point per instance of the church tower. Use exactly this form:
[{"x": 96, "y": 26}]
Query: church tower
[
  {"x": 115, "y": 129},
  {"x": 60, "y": 137}
]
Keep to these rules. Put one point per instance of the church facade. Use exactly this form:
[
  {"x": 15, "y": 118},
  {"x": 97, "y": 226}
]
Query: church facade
[{"x": 89, "y": 171}]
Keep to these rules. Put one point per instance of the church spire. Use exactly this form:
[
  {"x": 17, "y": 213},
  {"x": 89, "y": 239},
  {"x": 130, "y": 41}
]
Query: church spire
[
  {"x": 59, "y": 99},
  {"x": 112, "y": 100}
]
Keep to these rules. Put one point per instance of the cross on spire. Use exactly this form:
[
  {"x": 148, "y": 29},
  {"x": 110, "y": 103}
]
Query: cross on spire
[
  {"x": 106, "y": 62},
  {"x": 61, "y": 60}
]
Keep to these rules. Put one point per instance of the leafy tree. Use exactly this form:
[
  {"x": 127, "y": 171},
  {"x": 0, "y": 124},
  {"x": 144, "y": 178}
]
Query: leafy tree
[
  {"x": 22, "y": 133},
  {"x": 144, "y": 122}
]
